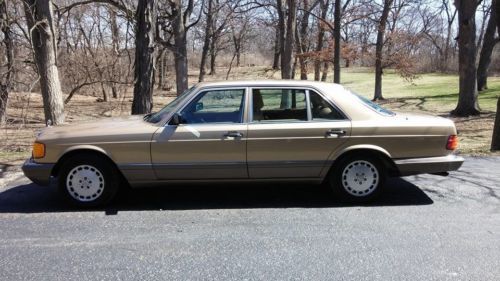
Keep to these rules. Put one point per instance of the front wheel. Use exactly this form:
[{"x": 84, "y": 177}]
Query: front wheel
[
  {"x": 88, "y": 181},
  {"x": 358, "y": 179}
]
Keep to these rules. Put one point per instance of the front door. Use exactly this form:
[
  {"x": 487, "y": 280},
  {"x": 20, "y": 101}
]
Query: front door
[
  {"x": 210, "y": 142},
  {"x": 292, "y": 133}
]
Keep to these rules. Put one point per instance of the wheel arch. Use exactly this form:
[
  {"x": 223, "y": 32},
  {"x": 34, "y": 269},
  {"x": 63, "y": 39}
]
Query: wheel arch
[
  {"x": 84, "y": 149},
  {"x": 369, "y": 150}
]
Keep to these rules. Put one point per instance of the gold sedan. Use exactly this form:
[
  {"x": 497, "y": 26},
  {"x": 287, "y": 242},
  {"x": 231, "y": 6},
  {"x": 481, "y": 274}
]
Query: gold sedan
[{"x": 240, "y": 131}]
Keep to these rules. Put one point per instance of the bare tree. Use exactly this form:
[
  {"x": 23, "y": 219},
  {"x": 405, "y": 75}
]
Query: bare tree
[
  {"x": 495, "y": 140},
  {"x": 336, "y": 36},
  {"x": 206, "y": 41},
  {"x": 144, "y": 56},
  {"x": 41, "y": 25},
  {"x": 489, "y": 42},
  {"x": 379, "y": 47},
  {"x": 175, "y": 24},
  {"x": 323, "y": 4},
  {"x": 287, "y": 15},
  {"x": 467, "y": 97},
  {"x": 7, "y": 73}
]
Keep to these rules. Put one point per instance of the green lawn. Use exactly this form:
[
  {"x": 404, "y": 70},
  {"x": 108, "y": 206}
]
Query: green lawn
[{"x": 431, "y": 92}]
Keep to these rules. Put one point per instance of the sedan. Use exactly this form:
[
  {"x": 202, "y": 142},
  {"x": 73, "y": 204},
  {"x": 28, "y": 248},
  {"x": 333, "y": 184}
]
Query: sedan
[{"x": 246, "y": 131}]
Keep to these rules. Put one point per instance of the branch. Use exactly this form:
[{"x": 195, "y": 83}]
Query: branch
[{"x": 115, "y": 3}]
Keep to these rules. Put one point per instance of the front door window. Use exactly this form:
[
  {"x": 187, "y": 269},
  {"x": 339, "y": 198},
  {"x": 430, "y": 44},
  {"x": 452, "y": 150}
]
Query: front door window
[{"x": 215, "y": 106}]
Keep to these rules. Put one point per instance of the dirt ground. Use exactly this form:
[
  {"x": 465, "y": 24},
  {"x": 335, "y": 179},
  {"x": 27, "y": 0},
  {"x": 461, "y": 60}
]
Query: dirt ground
[{"x": 25, "y": 118}]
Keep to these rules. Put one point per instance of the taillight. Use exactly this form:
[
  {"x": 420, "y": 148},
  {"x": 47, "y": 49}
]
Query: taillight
[{"x": 452, "y": 143}]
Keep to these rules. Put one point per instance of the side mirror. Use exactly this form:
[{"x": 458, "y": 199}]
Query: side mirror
[{"x": 176, "y": 120}]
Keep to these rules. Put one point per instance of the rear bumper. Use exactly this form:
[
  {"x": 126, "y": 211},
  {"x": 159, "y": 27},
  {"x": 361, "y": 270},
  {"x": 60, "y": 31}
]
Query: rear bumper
[
  {"x": 38, "y": 173},
  {"x": 429, "y": 165}
]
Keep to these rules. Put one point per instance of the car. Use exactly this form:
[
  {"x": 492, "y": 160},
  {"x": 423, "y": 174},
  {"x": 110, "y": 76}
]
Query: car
[{"x": 246, "y": 131}]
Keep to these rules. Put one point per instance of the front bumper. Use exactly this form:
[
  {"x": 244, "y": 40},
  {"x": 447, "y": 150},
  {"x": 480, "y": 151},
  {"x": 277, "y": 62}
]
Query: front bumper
[
  {"x": 429, "y": 165},
  {"x": 38, "y": 173}
]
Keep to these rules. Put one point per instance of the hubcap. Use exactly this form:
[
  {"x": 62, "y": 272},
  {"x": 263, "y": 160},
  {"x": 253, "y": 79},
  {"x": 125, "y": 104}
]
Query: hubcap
[
  {"x": 85, "y": 183},
  {"x": 360, "y": 178}
]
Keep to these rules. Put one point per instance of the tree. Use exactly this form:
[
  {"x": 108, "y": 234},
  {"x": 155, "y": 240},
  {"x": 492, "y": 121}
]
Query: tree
[
  {"x": 467, "y": 97},
  {"x": 144, "y": 56},
  {"x": 489, "y": 42},
  {"x": 174, "y": 27},
  {"x": 42, "y": 30},
  {"x": 287, "y": 15},
  {"x": 7, "y": 74},
  {"x": 379, "y": 47},
  {"x": 336, "y": 37},
  {"x": 323, "y": 4},
  {"x": 301, "y": 37},
  {"x": 495, "y": 140},
  {"x": 206, "y": 41}
]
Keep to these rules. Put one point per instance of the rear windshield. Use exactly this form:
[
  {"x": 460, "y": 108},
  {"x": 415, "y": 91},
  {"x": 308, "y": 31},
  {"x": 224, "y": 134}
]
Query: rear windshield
[{"x": 373, "y": 105}]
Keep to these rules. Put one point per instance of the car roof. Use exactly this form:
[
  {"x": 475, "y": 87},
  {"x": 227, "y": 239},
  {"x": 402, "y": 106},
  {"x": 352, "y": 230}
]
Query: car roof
[{"x": 263, "y": 83}]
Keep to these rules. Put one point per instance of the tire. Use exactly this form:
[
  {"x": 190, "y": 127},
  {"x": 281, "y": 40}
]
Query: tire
[
  {"x": 88, "y": 181},
  {"x": 358, "y": 179}
]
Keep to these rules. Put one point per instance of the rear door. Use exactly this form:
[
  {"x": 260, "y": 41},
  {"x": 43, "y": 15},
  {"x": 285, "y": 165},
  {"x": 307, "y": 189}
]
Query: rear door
[{"x": 291, "y": 133}]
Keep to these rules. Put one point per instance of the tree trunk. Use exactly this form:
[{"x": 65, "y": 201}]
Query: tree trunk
[
  {"x": 160, "y": 62},
  {"x": 378, "y": 50},
  {"x": 321, "y": 36},
  {"x": 39, "y": 19},
  {"x": 144, "y": 73},
  {"x": 467, "y": 97},
  {"x": 325, "y": 71},
  {"x": 213, "y": 56},
  {"x": 302, "y": 37},
  {"x": 115, "y": 37},
  {"x": 180, "y": 51},
  {"x": 277, "y": 48},
  {"x": 489, "y": 43},
  {"x": 6, "y": 80},
  {"x": 495, "y": 141},
  {"x": 287, "y": 36},
  {"x": 206, "y": 42},
  {"x": 336, "y": 35}
]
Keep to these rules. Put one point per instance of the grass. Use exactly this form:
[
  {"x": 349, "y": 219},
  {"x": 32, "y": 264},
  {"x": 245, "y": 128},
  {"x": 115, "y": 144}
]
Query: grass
[{"x": 439, "y": 92}]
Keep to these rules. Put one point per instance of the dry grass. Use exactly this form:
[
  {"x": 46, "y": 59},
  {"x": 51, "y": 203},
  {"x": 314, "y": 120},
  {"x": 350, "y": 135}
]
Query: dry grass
[{"x": 25, "y": 112}]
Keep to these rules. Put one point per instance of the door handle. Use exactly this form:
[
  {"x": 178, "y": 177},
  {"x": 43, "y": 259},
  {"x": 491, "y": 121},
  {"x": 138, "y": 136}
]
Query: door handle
[
  {"x": 335, "y": 133},
  {"x": 233, "y": 134}
]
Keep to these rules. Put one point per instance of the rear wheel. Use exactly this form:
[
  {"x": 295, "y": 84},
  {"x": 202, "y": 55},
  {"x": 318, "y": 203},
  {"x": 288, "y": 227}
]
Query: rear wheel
[
  {"x": 358, "y": 178},
  {"x": 88, "y": 180}
]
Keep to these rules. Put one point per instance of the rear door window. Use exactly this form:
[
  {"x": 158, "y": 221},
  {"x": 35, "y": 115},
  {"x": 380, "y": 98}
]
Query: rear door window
[{"x": 279, "y": 104}]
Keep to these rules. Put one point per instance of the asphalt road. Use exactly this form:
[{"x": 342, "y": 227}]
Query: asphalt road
[{"x": 424, "y": 228}]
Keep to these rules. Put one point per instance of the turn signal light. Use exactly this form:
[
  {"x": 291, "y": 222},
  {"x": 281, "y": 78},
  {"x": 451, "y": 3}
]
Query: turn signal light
[
  {"x": 452, "y": 143},
  {"x": 38, "y": 150}
]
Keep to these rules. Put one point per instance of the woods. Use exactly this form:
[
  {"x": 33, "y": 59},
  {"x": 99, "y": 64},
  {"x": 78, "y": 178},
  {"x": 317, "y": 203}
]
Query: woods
[{"x": 105, "y": 47}]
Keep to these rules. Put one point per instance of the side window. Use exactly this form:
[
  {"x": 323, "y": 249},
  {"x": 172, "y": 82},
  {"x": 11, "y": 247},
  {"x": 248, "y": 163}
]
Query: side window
[
  {"x": 323, "y": 110},
  {"x": 218, "y": 106},
  {"x": 279, "y": 104}
]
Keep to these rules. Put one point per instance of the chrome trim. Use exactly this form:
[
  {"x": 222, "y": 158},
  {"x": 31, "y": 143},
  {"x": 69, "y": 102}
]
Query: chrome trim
[{"x": 440, "y": 159}]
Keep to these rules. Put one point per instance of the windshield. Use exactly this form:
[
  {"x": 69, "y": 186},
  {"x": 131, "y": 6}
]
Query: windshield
[
  {"x": 156, "y": 117},
  {"x": 373, "y": 105}
]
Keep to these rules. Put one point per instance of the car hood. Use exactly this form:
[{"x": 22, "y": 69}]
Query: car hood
[{"x": 101, "y": 129}]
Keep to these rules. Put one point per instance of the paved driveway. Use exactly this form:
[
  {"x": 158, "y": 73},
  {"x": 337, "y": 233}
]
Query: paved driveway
[{"x": 424, "y": 228}]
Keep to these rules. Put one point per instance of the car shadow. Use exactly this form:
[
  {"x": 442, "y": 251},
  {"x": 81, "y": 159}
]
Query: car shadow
[{"x": 31, "y": 198}]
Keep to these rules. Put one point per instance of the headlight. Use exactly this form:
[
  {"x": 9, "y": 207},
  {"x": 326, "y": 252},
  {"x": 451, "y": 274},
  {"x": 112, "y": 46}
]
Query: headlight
[{"x": 38, "y": 150}]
